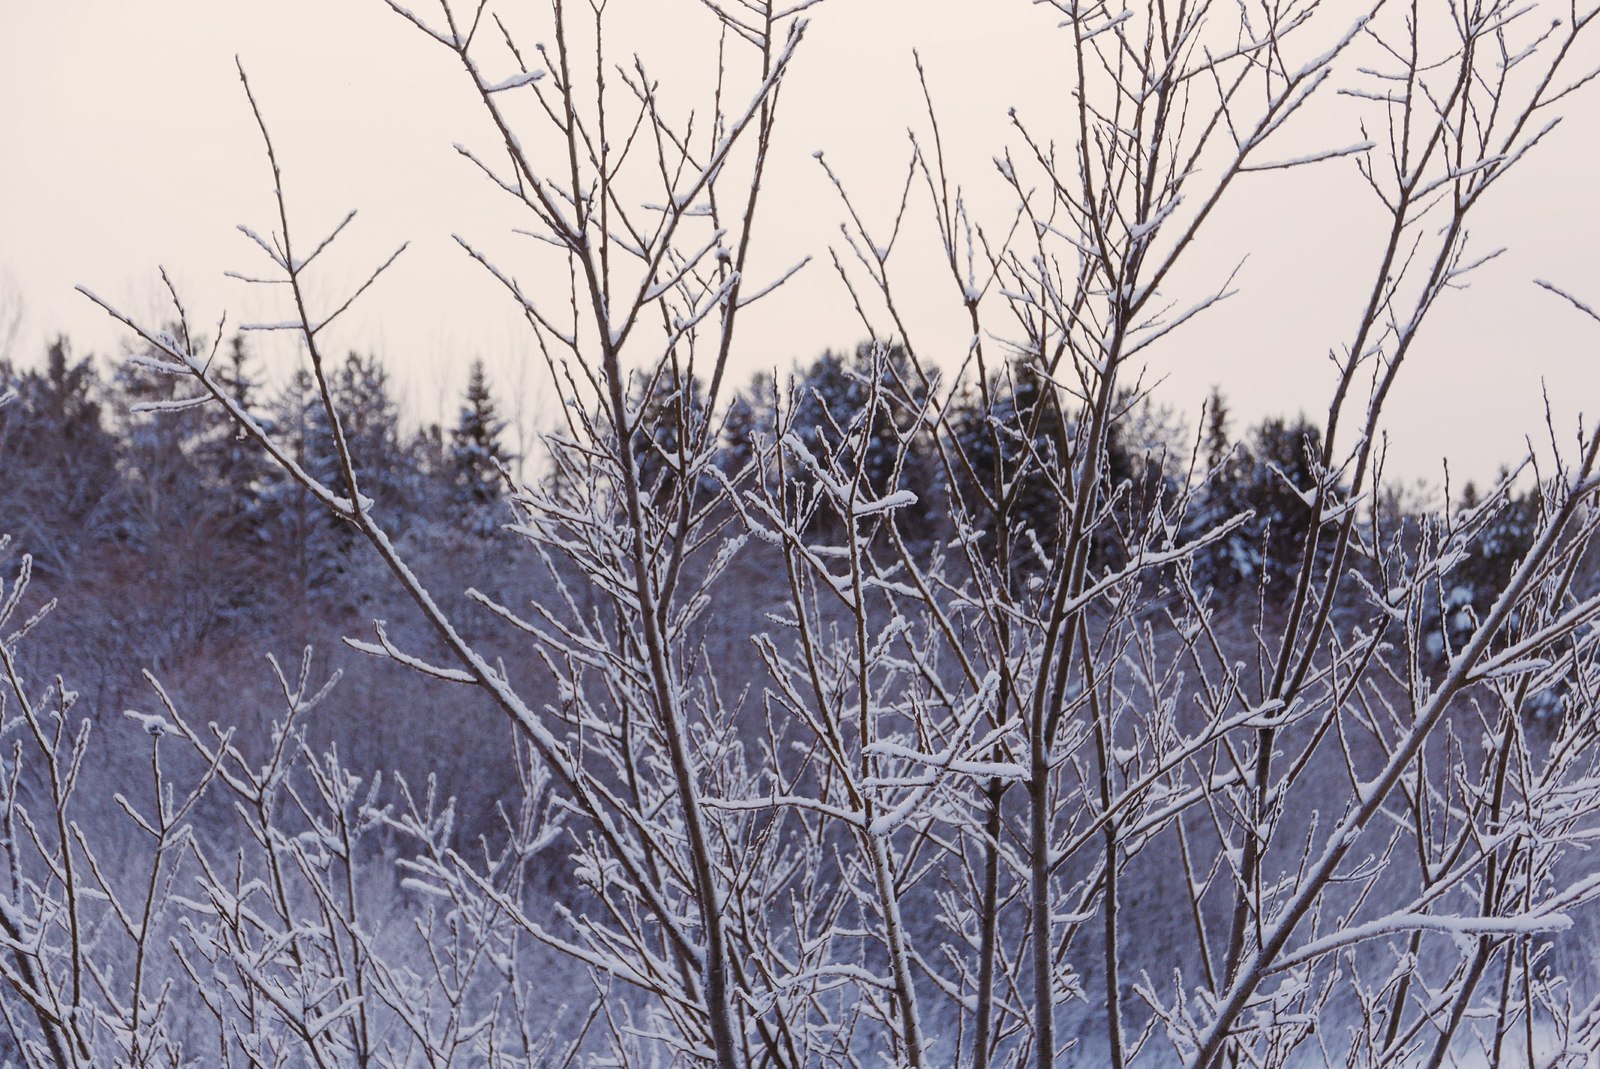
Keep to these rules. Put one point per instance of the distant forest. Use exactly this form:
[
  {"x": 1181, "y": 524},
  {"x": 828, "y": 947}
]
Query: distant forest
[
  {"x": 131, "y": 501},
  {"x": 175, "y": 546}
]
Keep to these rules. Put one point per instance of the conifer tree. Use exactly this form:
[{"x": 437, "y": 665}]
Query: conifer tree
[
  {"x": 293, "y": 523},
  {"x": 1216, "y": 443},
  {"x": 836, "y": 416},
  {"x": 60, "y": 487},
  {"x": 1026, "y": 460},
  {"x": 370, "y": 419},
  {"x": 313, "y": 543},
  {"x": 476, "y": 453},
  {"x": 1270, "y": 476},
  {"x": 668, "y": 419},
  {"x": 751, "y": 414},
  {"x": 1508, "y": 533},
  {"x": 226, "y": 456}
]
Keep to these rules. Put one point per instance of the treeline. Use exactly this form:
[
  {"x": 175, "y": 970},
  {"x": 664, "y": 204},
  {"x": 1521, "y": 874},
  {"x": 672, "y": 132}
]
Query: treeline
[
  {"x": 199, "y": 529},
  {"x": 1014, "y": 437},
  {"x": 124, "y": 461}
]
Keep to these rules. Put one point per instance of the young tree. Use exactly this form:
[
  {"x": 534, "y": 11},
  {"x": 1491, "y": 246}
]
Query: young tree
[{"x": 964, "y": 791}]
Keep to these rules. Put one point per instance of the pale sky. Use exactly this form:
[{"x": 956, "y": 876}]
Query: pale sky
[{"x": 126, "y": 143}]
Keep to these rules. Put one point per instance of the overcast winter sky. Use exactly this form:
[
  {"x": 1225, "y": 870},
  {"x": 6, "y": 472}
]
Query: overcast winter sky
[{"x": 126, "y": 143}]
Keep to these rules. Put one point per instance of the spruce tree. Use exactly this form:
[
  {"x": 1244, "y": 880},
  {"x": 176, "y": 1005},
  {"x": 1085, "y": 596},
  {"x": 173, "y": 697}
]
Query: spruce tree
[
  {"x": 476, "y": 454},
  {"x": 834, "y": 417},
  {"x": 1508, "y": 534},
  {"x": 293, "y": 522},
  {"x": 370, "y": 419},
  {"x": 314, "y": 543},
  {"x": 228, "y": 459},
  {"x": 1032, "y": 468},
  {"x": 1271, "y": 475},
  {"x": 60, "y": 484},
  {"x": 1216, "y": 443},
  {"x": 751, "y": 417},
  {"x": 668, "y": 420}
]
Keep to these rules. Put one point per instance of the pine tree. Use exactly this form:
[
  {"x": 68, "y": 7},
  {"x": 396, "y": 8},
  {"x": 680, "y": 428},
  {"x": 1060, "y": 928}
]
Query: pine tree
[
  {"x": 293, "y": 523},
  {"x": 193, "y": 516},
  {"x": 370, "y": 419},
  {"x": 170, "y": 459},
  {"x": 1136, "y": 479},
  {"x": 1217, "y": 500},
  {"x": 315, "y": 545},
  {"x": 1017, "y": 446},
  {"x": 430, "y": 484},
  {"x": 1507, "y": 535}
]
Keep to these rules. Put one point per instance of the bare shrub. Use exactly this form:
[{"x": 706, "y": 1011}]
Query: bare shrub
[{"x": 984, "y": 772}]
